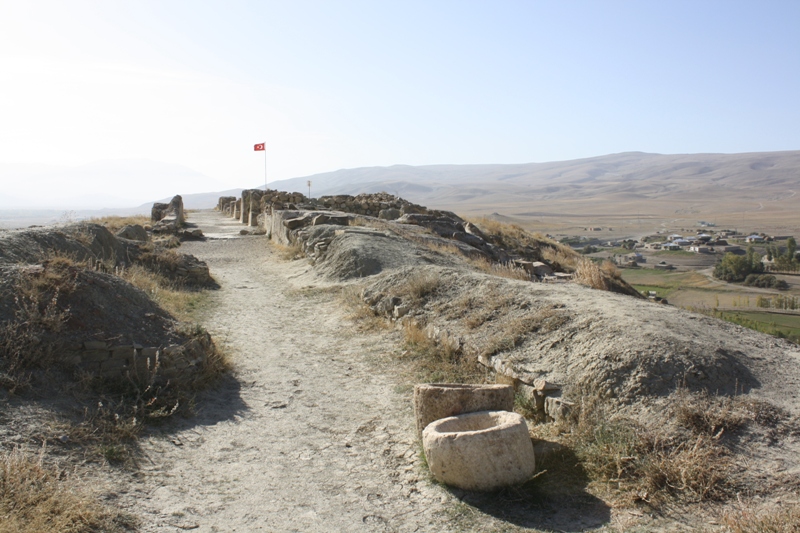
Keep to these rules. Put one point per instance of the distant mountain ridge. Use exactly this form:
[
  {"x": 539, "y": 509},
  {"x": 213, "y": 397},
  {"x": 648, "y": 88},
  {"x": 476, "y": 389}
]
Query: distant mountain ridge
[{"x": 625, "y": 178}]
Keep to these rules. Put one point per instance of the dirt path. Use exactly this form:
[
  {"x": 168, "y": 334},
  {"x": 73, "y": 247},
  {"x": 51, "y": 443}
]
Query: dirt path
[{"x": 308, "y": 437}]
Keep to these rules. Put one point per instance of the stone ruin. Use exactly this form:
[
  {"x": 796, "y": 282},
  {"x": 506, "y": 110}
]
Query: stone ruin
[{"x": 168, "y": 218}]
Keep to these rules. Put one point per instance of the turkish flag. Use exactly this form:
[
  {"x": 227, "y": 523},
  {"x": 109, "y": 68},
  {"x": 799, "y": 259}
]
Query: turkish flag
[{"x": 259, "y": 147}]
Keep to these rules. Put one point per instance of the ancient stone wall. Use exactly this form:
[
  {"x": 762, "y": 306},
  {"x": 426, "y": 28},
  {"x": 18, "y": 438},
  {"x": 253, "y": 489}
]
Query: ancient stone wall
[
  {"x": 255, "y": 202},
  {"x": 103, "y": 359},
  {"x": 224, "y": 201}
]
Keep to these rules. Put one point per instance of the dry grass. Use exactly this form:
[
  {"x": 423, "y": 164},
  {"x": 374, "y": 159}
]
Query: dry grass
[
  {"x": 35, "y": 498},
  {"x": 659, "y": 463},
  {"x": 288, "y": 252},
  {"x": 37, "y": 293},
  {"x": 116, "y": 223},
  {"x": 561, "y": 258},
  {"x": 181, "y": 303},
  {"x": 121, "y": 407},
  {"x": 419, "y": 286},
  {"x": 775, "y": 520},
  {"x": 504, "y": 270},
  {"x": 530, "y": 246},
  {"x": 512, "y": 332},
  {"x": 649, "y": 464},
  {"x": 588, "y": 273},
  {"x": 438, "y": 360}
]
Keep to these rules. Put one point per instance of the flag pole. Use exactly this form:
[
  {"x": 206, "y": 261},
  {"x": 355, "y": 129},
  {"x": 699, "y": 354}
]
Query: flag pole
[{"x": 265, "y": 169}]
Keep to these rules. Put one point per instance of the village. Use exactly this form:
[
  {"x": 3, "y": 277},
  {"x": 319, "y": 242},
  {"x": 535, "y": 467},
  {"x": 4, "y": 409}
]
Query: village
[{"x": 679, "y": 266}]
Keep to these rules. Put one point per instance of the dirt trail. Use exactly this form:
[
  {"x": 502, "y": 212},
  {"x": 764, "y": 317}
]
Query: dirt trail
[{"x": 308, "y": 437}]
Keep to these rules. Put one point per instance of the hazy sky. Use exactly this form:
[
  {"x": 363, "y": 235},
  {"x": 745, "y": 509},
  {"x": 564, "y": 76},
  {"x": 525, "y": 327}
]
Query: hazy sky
[{"x": 337, "y": 84}]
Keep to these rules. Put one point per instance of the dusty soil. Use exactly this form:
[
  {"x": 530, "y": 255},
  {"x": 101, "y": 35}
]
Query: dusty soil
[{"x": 309, "y": 437}]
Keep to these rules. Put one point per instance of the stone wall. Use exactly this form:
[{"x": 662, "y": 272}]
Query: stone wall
[
  {"x": 103, "y": 359},
  {"x": 168, "y": 218},
  {"x": 256, "y": 202},
  {"x": 224, "y": 201}
]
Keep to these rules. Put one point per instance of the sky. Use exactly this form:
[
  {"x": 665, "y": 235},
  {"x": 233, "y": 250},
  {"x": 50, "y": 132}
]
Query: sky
[{"x": 329, "y": 85}]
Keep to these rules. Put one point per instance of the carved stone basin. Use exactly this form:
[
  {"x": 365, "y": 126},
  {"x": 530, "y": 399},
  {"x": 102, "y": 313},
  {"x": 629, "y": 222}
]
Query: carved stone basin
[{"x": 480, "y": 451}]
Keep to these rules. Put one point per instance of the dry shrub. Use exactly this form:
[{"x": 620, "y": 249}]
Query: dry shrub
[
  {"x": 178, "y": 301},
  {"x": 512, "y": 332},
  {"x": 419, "y": 286},
  {"x": 438, "y": 360},
  {"x": 652, "y": 464},
  {"x": 123, "y": 405},
  {"x": 560, "y": 257},
  {"x": 589, "y": 274},
  {"x": 352, "y": 297},
  {"x": 35, "y": 498},
  {"x": 116, "y": 223},
  {"x": 775, "y": 520},
  {"x": 708, "y": 415},
  {"x": 610, "y": 269},
  {"x": 288, "y": 252},
  {"x": 37, "y": 312},
  {"x": 530, "y": 246},
  {"x": 504, "y": 270}
]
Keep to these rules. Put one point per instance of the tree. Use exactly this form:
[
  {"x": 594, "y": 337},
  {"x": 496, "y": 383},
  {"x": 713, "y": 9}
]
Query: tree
[
  {"x": 791, "y": 248},
  {"x": 737, "y": 267}
]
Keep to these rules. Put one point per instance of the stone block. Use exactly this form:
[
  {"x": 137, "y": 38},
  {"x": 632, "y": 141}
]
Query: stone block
[
  {"x": 95, "y": 345},
  {"x": 557, "y": 408},
  {"x": 149, "y": 352},
  {"x": 95, "y": 356},
  {"x": 123, "y": 352},
  {"x": 441, "y": 400}
]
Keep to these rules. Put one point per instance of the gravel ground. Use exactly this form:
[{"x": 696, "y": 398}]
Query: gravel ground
[{"x": 308, "y": 437}]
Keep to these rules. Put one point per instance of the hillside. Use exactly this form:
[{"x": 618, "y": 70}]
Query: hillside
[{"x": 628, "y": 185}]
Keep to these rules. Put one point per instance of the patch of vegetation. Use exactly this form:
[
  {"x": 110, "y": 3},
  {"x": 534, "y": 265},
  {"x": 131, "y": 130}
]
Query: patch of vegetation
[
  {"x": 778, "y": 325},
  {"x": 734, "y": 268},
  {"x": 689, "y": 460},
  {"x": 438, "y": 360},
  {"x": 36, "y": 498},
  {"x": 674, "y": 253},
  {"x": 116, "y": 223},
  {"x": 765, "y": 281},
  {"x": 288, "y": 252},
  {"x": 116, "y": 409},
  {"x": 181, "y": 302},
  {"x": 778, "y": 519},
  {"x": 506, "y": 270}
]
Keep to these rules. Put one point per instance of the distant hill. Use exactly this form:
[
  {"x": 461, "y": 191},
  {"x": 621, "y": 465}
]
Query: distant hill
[{"x": 617, "y": 184}]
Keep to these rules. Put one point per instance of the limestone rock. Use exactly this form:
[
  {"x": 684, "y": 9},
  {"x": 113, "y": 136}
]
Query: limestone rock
[
  {"x": 485, "y": 450},
  {"x": 441, "y": 400},
  {"x": 133, "y": 232}
]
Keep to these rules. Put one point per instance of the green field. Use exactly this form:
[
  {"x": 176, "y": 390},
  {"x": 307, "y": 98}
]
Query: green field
[
  {"x": 781, "y": 325},
  {"x": 692, "y": 290}
]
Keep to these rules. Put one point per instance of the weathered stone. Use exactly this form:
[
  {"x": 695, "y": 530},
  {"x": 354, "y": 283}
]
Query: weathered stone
[
  {"x": 440, "y": 400},
  {"x": 95, "y": 345},
  {"x": 484, "y": 450},
  {"x": 338, "y": 220},
  {"x": 557, "y": 408},
  {"x": 389, "y": 213},
  {"x": 544, "y": 385},
  {"x": 149, "y": 352},
  {"x": 133, "y": 232},
  {"x": 95, "y": 356},
  {"x": 294, "y": 223}
]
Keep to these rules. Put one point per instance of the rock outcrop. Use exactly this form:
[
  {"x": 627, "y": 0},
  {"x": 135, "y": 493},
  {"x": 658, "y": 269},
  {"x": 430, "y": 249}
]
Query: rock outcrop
[{"x": 168, "y": 218}]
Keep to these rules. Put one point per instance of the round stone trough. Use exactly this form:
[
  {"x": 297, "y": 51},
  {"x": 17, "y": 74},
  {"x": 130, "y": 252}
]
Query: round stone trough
[
  {"x": 433, "y": 401},
  {"x": 480, "y": 451}
]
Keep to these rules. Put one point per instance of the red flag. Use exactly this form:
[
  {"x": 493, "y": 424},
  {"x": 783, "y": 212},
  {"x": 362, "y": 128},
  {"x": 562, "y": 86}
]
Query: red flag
[{"x": 259, "y": 147}]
